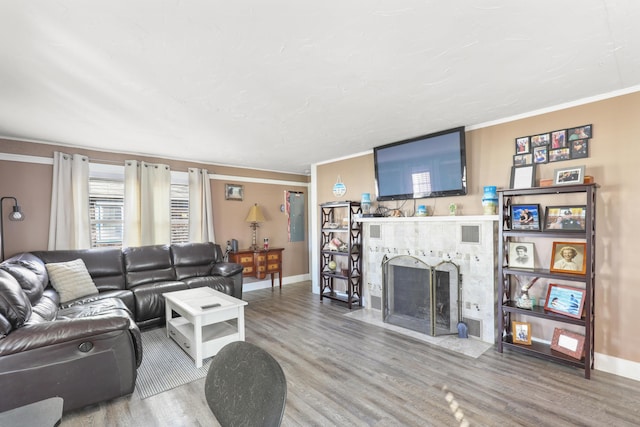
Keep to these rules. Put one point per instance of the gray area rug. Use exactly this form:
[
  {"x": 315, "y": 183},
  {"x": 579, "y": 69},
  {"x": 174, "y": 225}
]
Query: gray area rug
[{"x": 164, "y": 365}]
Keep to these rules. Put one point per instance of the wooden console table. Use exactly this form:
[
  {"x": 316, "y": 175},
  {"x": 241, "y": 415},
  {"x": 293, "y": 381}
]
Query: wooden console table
[{"x": 259, "y": 263}]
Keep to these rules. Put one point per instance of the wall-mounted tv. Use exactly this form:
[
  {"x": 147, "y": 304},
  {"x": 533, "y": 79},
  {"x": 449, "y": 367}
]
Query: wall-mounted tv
[{"x": 431, "y": 165}]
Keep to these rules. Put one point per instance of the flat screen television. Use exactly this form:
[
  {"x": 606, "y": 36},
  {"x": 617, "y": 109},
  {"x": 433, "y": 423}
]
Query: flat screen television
[{"x": 431, "y": 165}]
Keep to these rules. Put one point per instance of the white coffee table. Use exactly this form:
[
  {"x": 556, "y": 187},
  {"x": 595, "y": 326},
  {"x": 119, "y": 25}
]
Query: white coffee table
[{"x": 210, "y": 320}]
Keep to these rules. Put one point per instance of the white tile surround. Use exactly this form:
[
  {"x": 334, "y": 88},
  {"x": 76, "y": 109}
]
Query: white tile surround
[{"x": 433, "y": 240}]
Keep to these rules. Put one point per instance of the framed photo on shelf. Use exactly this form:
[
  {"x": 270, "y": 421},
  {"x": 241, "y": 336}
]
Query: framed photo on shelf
[
  {"x": 580, "y": 132},
  {"x": 523, "y": 176},
  {"x": 525, "y": 217},
  {"x": 233, "y": 192},
  {"x": 568, "y": 343},
  {"x": 568, "y": 257},
  {"x": 522, "y": 145},
  {"x": 565, "y": 300},
  {"x": 521, "y": 255},
  {"x": 521, "y": 332},
  {"x": 565, "y": 218},
  {"x": 569, "y": 176}
]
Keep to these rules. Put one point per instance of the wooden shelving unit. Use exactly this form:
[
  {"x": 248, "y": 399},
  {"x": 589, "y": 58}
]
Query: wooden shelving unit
[{"x": 507, "y": 309}]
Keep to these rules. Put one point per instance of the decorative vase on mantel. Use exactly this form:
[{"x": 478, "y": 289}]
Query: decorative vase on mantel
[{"x": 490, "y": 200}]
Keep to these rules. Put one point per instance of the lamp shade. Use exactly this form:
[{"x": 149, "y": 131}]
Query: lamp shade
[{"x": 255, "y": 214}]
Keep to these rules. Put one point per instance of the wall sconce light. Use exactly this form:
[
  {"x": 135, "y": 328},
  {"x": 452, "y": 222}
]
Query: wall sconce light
[
  {"x": 15, "y": 215},
  {"x": 255, "y": 216}
]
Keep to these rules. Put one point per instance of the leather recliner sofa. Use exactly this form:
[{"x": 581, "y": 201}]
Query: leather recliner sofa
[{"x": 87, "y": 350}]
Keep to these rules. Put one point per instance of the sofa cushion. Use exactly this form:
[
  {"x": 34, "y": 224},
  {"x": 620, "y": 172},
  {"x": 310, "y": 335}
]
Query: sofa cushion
[
  {"x": 148, "y": 264},
  {"x": 71, "y": 279},
  {"x": 217, "y": 283},
  {"x": 193, "y": 259},
  {"x": 150, "y": 301},
  {"x": 30, "y": 273},
  {"x": 15, "y": 307},
  {"x": 105, "y": 265}
]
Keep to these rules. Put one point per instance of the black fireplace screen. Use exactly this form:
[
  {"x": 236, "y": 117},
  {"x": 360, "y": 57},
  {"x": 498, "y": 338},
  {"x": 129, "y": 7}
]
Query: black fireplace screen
[{"x": 419, "y": 297}]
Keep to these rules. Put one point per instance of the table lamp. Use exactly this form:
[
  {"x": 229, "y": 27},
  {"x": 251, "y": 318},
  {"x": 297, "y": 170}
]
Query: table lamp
[{"x": 255, "y": 216}]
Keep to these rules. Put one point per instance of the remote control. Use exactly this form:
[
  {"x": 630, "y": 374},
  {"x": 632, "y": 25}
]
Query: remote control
[{"x": 217, "y": 304}]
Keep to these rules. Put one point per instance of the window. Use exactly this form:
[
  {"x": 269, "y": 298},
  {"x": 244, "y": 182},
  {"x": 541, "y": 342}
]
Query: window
[{"x": 106, "y": 207}]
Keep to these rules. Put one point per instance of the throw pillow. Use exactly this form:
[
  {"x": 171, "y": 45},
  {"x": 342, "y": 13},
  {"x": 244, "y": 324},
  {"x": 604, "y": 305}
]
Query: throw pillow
[{"x": 71, "y": 280}]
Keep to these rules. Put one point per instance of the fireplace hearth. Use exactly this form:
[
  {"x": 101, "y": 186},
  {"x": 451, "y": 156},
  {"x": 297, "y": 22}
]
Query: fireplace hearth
[{"x": 420, "y": 297}]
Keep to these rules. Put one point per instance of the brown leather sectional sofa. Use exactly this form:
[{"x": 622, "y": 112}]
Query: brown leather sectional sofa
[{"x": 88, "y": 349}]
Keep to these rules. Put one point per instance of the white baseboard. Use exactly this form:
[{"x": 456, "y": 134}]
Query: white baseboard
[
  {"x": 614, "y": 365},
  {"x": 263, "y": 284}
]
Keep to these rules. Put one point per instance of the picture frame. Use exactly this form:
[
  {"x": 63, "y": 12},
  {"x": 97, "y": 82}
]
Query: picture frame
[
  {"x": 522, "y": 145},
  {"x": 569, "y": 176},
  {"x": 565, "y": 218},
  {"x": 580, "y": 132},
  {"x": 540, "y": 140},
  {"x": 525, "y": 217},
  {"x": 523, "y": 176},
  {"x": 559, "y": 154},
  {"x": 565, "y": 300},
  {"x": 521, "y": 255},
  {"x": 568, "y": 257},
  {"x": 234, "y": 192},
  {"x": 559, "y": 139},
  {"x": 522, "y": 159},
  {"x": 521, "y": 332},
  {"x": 568, "y": 342},
  {"x": 541, "y": 154},
  {"x": 579, "y": 148}
]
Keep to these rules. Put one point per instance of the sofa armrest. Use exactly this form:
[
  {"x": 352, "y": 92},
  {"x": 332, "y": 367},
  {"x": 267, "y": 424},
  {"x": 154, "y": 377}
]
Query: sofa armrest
[
  {"x": 226, "y": 269},
  {"x": 59, "y": 331}
]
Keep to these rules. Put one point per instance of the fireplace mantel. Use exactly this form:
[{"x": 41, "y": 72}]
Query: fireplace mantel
[{"x": 470, "y": 241}]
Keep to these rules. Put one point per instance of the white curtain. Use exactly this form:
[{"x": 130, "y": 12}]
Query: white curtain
[
  {"x": 147, "y": 204},
  {"x": 69, "y": 225},
  {"x": 200, "y": 209}
]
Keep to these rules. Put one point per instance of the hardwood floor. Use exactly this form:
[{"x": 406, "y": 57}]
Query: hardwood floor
[{"x": 342, "y": 372}]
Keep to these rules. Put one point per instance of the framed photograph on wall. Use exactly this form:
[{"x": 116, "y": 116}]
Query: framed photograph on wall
[
  {"x": 541, "y": 154},
  {"x": 568, "y": 343},
  {"x": 579, "y": 148},
  {"x": 565, "y": 300},
  {"x": 565, "y": 218},
  {"x": 540, "y": 140},
  {"x": 525, "y": 217},
  {"x": 522, "y": 145},
  {"x": 522, "y": 159},
  {"x": 580, "y": 132},
  {"x": 559, "y": 139},
  {"x": 233, "y": 192},
  {"x": 568, "y": 257},
  {"x": 523, "y": 176},
  {"x": 521, "y": 255},
  {"x": 559, "y": 154},
  {"x": 521, "y": 332},
  {"x": 569, "y": 176}
]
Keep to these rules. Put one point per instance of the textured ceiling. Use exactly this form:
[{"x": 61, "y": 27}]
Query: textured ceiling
[{"x": 280, "y": 85}]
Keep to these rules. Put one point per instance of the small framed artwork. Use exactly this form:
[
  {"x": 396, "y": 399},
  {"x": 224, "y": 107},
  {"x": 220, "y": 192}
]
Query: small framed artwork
[
  {"x": 521, "y": 332},
  {"x": 559, "y": 154},
  {"x": 525, "y": 217},
  {"x": 541, "y": 154},
  {"x": 233, "y": 192},
  {"x": 568, "y": 343},
  {"x": 559, "y": 139},
  {"x": 568, "y": 257},
  {"x": 565, "y": 218},
  {"x": 580, "y": 132},
  {"x": 521, "y": 255},
  {"x": 579, "y": 148},
  {"x": 522, "y": 159},
  {"x": 523, "y": 176},
  {"x": 522, "y": 145},
  {"x": 540, "y": 140},
  {"x": 569, "y": 176},
  {"x": 565, "y": 300}
]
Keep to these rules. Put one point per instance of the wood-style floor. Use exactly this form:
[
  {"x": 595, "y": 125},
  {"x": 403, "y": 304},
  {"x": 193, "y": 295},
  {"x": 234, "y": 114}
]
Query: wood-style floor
[{"x": 342, "y": 372}]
